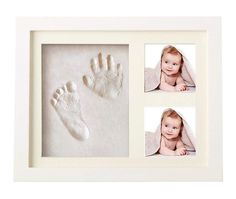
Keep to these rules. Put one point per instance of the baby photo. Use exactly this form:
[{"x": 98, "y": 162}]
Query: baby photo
[
  {"x": 169, "y": 131},
  {"x": 85, "y": 96},
  {"x": 169, "y": 68}
]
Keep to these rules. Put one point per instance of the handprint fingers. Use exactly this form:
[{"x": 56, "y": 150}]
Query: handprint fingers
[
  {"x": 119, "y": 75},
  {"x": 107, "y": 77},
  {"x": 111, "y": 64},
  {"x": 95, "y": 66},
  {"x": 102, "y": 62},
  {"x": 88, "y": 81}
]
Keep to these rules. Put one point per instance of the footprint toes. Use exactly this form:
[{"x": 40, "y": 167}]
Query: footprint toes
[
  {"x": 71, "y": 86},
  {"x": 60, "y": 91},
  {"x": 56, "y": 95},
  {"x": 53, "y": 102},
  {"x": 64, "y": 88}
]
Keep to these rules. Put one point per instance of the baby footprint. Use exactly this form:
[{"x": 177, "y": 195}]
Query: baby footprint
[{"x": 66, "y": 102}]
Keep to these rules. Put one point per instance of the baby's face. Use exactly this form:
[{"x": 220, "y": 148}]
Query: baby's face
[
  {"x": 170, "y": 127},
  {"x": 170, "y": 64}
]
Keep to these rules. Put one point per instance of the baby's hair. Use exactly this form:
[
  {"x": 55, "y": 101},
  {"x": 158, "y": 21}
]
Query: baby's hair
[
  {"x": 174, "y": 115},
  {"x": 174, "y": 51}
]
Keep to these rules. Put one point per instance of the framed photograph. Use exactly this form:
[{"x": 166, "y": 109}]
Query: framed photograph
[{"x": 118, "y": 99}]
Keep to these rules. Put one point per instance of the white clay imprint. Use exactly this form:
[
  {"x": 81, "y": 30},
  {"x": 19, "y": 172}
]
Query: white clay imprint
[
  {"x": 67, "y": 105},
  {"x": 107, "y": 77}
]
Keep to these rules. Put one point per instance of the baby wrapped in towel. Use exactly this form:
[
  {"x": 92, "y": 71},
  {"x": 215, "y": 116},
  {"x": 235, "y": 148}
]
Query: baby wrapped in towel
[
  {"x": 172, "y": 137},
  {"x": 172, "y": 73}
]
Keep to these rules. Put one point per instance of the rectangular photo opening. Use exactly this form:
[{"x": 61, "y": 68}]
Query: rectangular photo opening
[
  {"x": 170, "y": 68},
  {"x": 170, "y": 131}
]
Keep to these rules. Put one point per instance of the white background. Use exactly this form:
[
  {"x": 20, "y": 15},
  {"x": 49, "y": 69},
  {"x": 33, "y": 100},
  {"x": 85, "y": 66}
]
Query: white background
[
  {"x": 10, "y": 9},
  {"x": 152, "y": 117},
  {"x": 153, "y": 54}
]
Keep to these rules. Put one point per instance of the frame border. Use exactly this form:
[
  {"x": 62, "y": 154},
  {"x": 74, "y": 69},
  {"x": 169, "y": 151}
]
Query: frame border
[{"x": 212, "y": 171}]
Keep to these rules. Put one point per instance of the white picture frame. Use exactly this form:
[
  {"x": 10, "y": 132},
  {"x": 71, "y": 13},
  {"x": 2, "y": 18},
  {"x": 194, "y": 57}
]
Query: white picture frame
[{"x": 204, "y": 32}]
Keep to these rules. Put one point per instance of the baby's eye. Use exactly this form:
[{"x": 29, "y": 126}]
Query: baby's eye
[
  {"x": 166, "y": 125},
  {"x": 166, "y": 62},
  {"x": 174, "y": 127}
]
